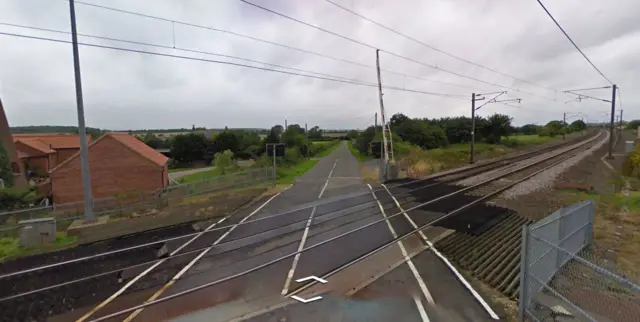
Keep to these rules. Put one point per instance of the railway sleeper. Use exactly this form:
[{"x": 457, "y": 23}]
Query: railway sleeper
[{"x": 510, "y": 263}]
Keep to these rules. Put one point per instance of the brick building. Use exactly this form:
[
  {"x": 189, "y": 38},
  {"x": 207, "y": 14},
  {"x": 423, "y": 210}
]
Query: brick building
[
  {"x": 118, "y": 163},
  {"x": 43, "y": 152}
]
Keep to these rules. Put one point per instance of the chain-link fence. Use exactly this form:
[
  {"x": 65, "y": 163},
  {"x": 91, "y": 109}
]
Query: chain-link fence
[
  {"x": 562, "y": 280},
  {"x": 127, "y": 203}
]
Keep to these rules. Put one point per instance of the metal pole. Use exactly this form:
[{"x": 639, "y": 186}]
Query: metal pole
[
  {"x": 564, "y": 125},
  {"x": 306, "y": 135},
  {"x": 620, "y": 125},
  {"x": 82, "y": 131},
  {"x": 524, "y": 271},
  {"x": 473, "y": 127},
  {"x": 613, "y": 114},
  {"x": 274, "y": 165},
  {"x": 383, "y": 120}
]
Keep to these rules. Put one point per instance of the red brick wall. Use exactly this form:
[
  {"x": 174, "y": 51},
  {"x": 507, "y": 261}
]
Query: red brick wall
[
  {"x": 114, "y": 169},
  {"x": 39, "y": 161},
  {"x": 64, "y": 154}
]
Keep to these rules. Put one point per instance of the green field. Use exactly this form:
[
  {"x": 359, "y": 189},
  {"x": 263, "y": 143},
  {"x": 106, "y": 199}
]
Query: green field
[{"x": 529, "y": 139}]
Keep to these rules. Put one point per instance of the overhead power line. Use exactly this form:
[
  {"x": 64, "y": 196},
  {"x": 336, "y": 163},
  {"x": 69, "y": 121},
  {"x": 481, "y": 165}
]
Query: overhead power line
[
  {"x": 335, "y": 79},
  {"x": 388, "y": 52},
  {"x": 240, "y": 35},
  {"x": 572, "y": 42},
  {"x": 434, "y": 48}
]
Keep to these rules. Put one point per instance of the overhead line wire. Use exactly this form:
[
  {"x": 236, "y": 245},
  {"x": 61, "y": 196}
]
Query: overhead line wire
[
  {"x": 389, "y": 52},
  {"x": 230, "y": 64},
  {"x": 310, "y": 52},
  {"x": 432, "y": 47},
  {"x": 572, "y": 42}
]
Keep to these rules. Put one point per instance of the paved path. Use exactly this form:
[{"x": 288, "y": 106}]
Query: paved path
[
  {"x": 179, "y": 174},
  {"x": 389, "y": 283}
]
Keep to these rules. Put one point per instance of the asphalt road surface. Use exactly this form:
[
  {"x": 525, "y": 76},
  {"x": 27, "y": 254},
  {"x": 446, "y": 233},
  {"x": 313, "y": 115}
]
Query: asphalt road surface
[{"x": 404, "y": 282}]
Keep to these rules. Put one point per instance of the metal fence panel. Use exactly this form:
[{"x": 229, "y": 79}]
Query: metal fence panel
[{"x": 560, "y": 276}]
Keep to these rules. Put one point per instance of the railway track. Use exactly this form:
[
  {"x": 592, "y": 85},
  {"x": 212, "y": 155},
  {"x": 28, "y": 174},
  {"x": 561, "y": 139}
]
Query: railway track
[{"x": 78, "y": 294}]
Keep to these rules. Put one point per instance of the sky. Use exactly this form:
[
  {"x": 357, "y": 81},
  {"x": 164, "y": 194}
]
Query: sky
[{"x": 129, "y": 90}]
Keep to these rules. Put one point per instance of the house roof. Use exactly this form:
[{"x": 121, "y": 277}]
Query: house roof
[
  {"x": 37, "y": 145},
  {"x": 140, "y": 147},
  {"x": 56, "y": 141},
  {"x": 129, "y": 141}
]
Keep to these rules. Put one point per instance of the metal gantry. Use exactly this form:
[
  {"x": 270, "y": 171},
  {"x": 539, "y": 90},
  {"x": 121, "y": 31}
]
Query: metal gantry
[
  {"x": 581, "y": 97},
  {"x": 480, "y": 97}
]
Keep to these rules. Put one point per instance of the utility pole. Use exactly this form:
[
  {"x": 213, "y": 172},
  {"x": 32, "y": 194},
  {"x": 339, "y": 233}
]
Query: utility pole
[
  {"x": 564, "y": 125},
  {"x": 306, "y": 135},
  {"x": 613, "y": 113},
  {"x": 82, "y": 131},
  {"x": 581, "y": 96},
  {"x": 473, "y": 128},
  {"x": 478, "y": 97},
  {"x": 383, "y": 120}
]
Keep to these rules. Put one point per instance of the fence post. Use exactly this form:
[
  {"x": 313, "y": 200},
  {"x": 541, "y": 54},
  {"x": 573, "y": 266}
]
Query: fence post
[
  {"x": 524, "y": 270},
  {"x": 562, "y": 217},
  {"x": 592, "y": 213}
]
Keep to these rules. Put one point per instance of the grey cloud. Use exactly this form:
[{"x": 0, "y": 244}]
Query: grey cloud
[{"x": 129, "y": 90}]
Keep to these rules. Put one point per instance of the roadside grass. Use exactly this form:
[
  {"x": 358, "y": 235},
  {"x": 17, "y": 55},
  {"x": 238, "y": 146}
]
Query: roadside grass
[
  {"x": 325, "y": 147},
  {"x": 288, "y": 174},
  {"x": 203, "y": 175},
  {"x": 361, "y": 157},
  {"x": 529, "y": 139},
  {"x": 419, "y": 162},
  {"x": 10, "y": 248}
]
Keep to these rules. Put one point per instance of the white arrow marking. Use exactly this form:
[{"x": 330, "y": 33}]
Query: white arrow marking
[
  {"x": 305, "y": 301},
  {"x": 315, "y": 278}
]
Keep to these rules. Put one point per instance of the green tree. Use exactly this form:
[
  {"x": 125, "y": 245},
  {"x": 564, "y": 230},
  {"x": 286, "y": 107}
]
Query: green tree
[
  {"x": 315, "y": 133},
  {"x": 422, "y": 134},
  {"x": 223, "y": 160},
  {"x": 495, "y": 127},
  {"x": 397, "y": 120},
  {"x": 226, "y": 140},
  {"x": 188, "y": 147},
  {"x": 528, "y": 129},
  {"x": 577, "y": 125},
  {"x": 633, "y": 125},
  {"x": 6, "y": 172},
  {"x": 152, "y": 141}
]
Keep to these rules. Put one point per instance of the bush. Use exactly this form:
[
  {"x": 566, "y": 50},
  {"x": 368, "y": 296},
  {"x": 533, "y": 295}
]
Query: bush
[
  {"x": 223, "y": 160},
  {"x": 15, "y": 198},
  {"x": 173, "y": 164},
  {"x": 510, "y": 142}
]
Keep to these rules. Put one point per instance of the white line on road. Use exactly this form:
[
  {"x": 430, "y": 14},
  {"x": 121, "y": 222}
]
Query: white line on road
[
  {"x": 464, "y": 282},
  {"x": 195, "y": 260},
  {"x": 145, "y": 272},
  {"x": 421, "y": 310},
  {"x": 287, "y": 282},
  {"x": 412, "y": 267}
]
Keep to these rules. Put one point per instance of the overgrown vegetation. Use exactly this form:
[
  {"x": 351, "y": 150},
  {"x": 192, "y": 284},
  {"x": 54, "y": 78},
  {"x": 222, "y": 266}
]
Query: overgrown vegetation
[{"x": 10, "y": 248}]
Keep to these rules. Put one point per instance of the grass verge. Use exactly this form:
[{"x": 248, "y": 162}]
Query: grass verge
[
  {"x": 10, "y": 248},
  {"x": 288, "y": 174},
  {"x": 356, "y": 153},
  {"x": 325, "y": 148},
  {"x": 616, "y": 231}
]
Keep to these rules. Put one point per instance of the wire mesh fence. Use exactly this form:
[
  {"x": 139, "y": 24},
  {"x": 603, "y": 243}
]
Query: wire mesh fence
[
  {"x": 563, "y": 280},
  {"x": 133, "y": 202}
]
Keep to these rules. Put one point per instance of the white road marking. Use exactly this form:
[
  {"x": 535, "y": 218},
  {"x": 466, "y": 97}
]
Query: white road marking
[
  {"x": 315, "y": 278},
  {"x": 412, "y": 267},
  {"x": 294, "y": 265},
  {"x": 295, "y": 297},
  {"x": 421, "y": 310},
  {"x": 145, "y": 272},
  {"x": 464, "y": 282}
]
